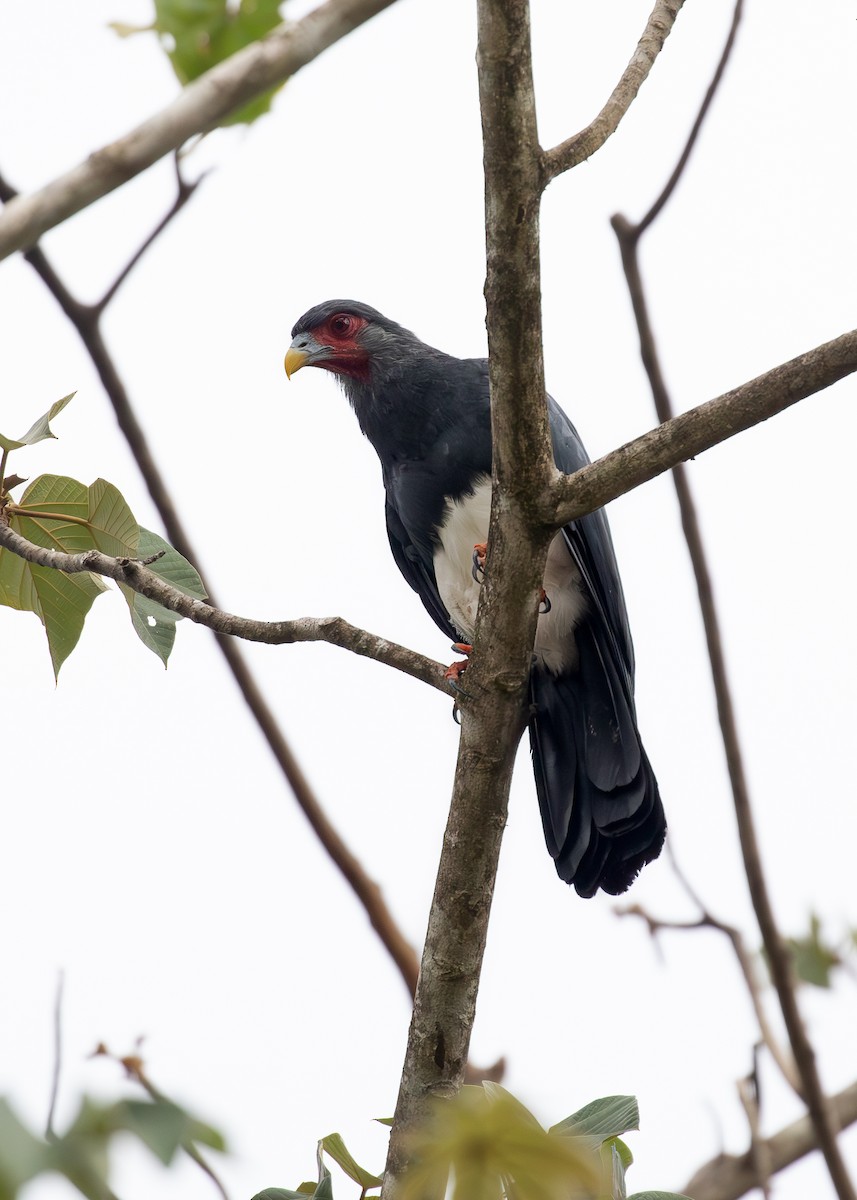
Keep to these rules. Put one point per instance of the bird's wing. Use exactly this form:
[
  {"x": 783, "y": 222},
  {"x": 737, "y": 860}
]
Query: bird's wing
[
  {"x": 417, "y": 570},
  {"x": 591, "y": 547},
  {"x": 600, "y": 806}
]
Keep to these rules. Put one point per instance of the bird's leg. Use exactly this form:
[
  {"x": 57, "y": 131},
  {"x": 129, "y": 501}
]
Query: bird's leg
[{"x": 480, "y": 558}]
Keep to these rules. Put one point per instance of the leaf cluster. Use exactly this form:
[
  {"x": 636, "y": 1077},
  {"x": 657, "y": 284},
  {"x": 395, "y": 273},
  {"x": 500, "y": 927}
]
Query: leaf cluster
[
  {"x": 59, "y": 513},
  {"x": 81, "y": 1154},
  {"x": 493, "y": 1148}
]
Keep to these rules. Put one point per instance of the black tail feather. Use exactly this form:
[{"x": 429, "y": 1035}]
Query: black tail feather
[{"x": 599, "y": 801}]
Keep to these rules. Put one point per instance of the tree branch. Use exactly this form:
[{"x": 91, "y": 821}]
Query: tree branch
[
  {"x": 201, "y": 106},
  {"x": 699, "y": 429},
  {"x": 87, "y": 321},
  {"x": 745, "y": 961},
  {"x": 583, "y": 145},
  {"x": 140, "y": 579},
  {"x": 779, "y": 956},
  {"x": 670, "y": 185},
  {"x": 493, "y": 719},
  {"x": 730, "y": 1176}
]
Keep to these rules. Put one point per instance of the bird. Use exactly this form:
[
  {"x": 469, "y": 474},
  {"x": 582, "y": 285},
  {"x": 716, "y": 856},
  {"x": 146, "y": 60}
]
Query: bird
[{"x": 427, "y": 415}]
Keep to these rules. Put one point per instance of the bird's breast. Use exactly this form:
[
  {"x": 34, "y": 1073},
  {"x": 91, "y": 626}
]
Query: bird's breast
[{"x": 465, "y": 524}]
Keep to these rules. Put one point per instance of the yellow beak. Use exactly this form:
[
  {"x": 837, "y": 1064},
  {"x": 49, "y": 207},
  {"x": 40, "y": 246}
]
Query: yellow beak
[{"x": 295, "y": 359}]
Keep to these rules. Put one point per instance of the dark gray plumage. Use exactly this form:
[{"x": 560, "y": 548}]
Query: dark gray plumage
[{"x": 428, "y": 416}]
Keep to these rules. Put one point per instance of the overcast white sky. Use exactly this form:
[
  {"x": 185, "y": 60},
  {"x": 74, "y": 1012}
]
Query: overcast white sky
[{"x": 150, "y": 847}]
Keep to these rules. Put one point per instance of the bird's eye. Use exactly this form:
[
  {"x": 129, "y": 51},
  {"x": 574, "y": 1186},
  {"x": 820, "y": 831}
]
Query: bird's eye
[{"x": 341, "y": 324}]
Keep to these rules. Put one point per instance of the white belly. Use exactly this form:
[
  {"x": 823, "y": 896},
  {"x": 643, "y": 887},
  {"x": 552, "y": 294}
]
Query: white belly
[{"x": 464, "y": 525}]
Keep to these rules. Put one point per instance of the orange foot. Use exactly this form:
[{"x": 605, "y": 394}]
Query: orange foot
[{"x": 454, "y": 672}]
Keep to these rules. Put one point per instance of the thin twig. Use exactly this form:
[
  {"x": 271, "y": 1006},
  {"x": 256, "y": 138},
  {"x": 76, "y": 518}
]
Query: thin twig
[
  {"x": 184, "y": 190},
  {"x": 50, "y": 1133},
  {"x": 684, "y": 157},
  {"x": 583, "y": 145},
  {"x": 748, "y": 1094},
  {"x": 779, "y": 957},
  {"x": 706, "y": 920},
  {"x": 730, "y": 1176}
]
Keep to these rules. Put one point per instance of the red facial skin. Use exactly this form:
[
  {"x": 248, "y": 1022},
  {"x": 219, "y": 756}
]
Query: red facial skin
[{"x": 340, "y": 332}]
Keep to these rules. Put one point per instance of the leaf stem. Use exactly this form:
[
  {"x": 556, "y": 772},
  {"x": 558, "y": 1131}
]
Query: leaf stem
[{"x": 21, "y": 510}]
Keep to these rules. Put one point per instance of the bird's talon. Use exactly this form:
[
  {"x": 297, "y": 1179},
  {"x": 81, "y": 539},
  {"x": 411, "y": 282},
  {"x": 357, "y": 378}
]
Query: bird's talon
[
  {"x": 453, "y": 673},
  {"x": 544, "y": 603},
  {"x": 480, "y": 553}
]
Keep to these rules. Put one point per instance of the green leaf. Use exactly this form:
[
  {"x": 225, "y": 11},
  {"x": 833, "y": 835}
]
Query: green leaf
[
  {"x": 324, "y": 1191},
  {"x": 198, "y": 34},
  {"x": 659, "y": 1196},
  {"x": 622, "y": 1149},
  {"x": 496, "y": 1092},
  {"x": 155, "y": 625},
  {"x": 60, "y": 601},
  {"x": 282, "y": 1194},
  {"x": 604, "y": 1118},
  {"x": 111, "y": 522},
  {"x": 613, "y": 1170},
  {"x": 324, "y": 1188},
  {"x": 40, "y": 430},
  {"x": 22, "y": 1156},
  {"x": 813, "y": 958},
  {"x": 336, "y": 1148},
  {"x": 164, "y": 1127},
  {"x": 486, "y": 1139}
]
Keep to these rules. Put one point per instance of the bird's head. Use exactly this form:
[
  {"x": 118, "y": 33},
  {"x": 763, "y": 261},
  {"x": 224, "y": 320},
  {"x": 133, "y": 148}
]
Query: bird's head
[{"x": 347, "y": 338}]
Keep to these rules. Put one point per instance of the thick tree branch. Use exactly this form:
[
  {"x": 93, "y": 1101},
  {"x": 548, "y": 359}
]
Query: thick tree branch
[
  {"x": 201, "y": 106},
  {"x": 583, "y": 145},
  {"x": 699, "y": 429},
  {"x": 494, "y": 717},
  {"x": 730, "y": 1176}
]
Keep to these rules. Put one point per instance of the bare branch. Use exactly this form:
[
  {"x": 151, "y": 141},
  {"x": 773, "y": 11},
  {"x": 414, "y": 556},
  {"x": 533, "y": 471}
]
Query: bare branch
[
  {"x": 201, "y": 106},
  {"x": 670, "y": 186},
  {"x": 779, "y": 956},
  {"x": 730, "y": 1176},
  {"x": 184, "y": 191},
  {"x": 745, "y": 962},
  {"x": 275, "y": 633},
  {"x": 86, "y": 320},
  {"x": 50, "y": 1132},
  {"x": 748, "y": 1094},
  {"x": 699, "y": 429},
  {"x": 584, "y": 144}
]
